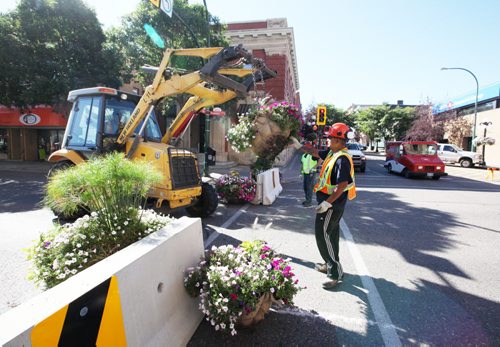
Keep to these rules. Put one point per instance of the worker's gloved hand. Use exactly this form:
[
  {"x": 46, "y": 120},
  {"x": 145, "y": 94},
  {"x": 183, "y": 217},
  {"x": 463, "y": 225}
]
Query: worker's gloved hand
[
  {"x": 323, "y": 207},
  {"x": 295, "y": 143}
]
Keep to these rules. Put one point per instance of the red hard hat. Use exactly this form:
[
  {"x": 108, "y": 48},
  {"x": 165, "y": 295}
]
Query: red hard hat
[{"x": 341, "y": 131}]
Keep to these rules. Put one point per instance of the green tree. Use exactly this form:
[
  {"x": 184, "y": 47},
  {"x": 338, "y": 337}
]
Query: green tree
[
  {"x": 53, "y": 46},
  {"x": 396, "y": 122},
  {"x": 368, "y": 121},
  {"x": 140, "y": 50}
]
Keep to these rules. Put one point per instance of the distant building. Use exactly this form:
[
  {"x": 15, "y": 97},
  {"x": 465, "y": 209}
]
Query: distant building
[{"x": 488, "y": 111}]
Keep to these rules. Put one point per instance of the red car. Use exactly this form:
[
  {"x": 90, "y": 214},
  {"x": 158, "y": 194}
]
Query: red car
[{"x": 414, "y": 158}]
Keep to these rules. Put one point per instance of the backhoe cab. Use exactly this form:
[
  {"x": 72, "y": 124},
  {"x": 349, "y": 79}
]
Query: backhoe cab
[{"x": 105, "y": 119}]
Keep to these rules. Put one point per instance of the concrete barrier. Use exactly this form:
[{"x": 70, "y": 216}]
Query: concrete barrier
[
  {"x": 146, "y": 303},
  {"x": 268, "y": 187}
]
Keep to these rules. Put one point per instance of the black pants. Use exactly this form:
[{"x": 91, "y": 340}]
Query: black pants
[
  {"x": 327, "y": 231},
  {"x": 309, "y": 185}
]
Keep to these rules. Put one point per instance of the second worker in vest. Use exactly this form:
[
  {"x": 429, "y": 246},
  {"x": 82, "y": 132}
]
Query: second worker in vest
[
  {"x": 335, "y": 186},
  {"x": 308, "y": 170}
]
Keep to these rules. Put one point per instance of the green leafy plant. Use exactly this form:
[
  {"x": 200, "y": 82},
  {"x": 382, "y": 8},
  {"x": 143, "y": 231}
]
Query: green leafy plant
[
  {"x": 103, "y": 183},
  {"x": 231, "y": 280}
]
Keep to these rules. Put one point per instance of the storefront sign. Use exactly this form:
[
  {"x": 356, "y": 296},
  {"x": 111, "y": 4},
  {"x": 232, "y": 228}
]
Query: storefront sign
[
  {"x": 469, "y": 99},
  {"x": 30, "y": 119},
  {"x": 38, "y": 117}
]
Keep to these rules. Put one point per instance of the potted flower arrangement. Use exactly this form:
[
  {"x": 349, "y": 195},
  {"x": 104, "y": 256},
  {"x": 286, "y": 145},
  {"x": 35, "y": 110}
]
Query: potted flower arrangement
[
  {"x": 110, "y": 188},
  {"x": 238, "y": 284},
  {"x": 234, "y": 188},
  {"x": 266, "y": 130}
]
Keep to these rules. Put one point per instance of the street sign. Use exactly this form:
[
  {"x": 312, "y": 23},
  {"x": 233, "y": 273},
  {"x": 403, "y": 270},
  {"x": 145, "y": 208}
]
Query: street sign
[{"x": 167, "y": 6}]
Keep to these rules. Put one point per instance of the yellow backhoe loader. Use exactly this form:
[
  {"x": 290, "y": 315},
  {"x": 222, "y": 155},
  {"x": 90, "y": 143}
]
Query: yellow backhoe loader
[{"x": 105, "y": 119}]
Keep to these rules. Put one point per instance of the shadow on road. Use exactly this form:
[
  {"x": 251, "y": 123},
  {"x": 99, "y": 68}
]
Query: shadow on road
[{"x": 21, "y": 191}]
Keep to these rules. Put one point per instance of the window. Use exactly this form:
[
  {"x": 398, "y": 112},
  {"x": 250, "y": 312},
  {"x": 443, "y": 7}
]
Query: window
[
  {"x": 449, "y": 149},
  {"x": 119, "y": 111},
  {"x": 353, "y": 146},
  {"x": 422, "y": 149},
  {"x": 84, "y": 122}
]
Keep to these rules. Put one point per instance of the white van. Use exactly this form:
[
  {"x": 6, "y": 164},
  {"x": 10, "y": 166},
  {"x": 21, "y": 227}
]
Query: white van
[{"x": 451, "y": 154}]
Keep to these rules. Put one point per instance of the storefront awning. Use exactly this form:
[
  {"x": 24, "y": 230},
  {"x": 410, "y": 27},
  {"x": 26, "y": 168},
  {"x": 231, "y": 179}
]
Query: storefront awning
[{"x": 37, "y": 117}]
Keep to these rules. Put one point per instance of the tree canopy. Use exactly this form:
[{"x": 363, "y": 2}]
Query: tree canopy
[
  {"x": 50, "y": 47},
  {"x": 385, "y": 122},
  {"x": 425, "y": 127},
  {"x": 186, "y": 29}
]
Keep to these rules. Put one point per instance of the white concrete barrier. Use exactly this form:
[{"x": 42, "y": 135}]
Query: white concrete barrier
[
  {"x": 268, "y": 187},
  {"x": 146, "y": 300}
]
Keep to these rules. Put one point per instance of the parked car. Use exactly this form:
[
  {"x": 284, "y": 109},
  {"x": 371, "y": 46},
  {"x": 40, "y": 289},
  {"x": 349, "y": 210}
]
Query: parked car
[
  {"x": 414, "y": 158},
  {"x": 358, "y": 157},
  {"x": 451, "y": 154}
]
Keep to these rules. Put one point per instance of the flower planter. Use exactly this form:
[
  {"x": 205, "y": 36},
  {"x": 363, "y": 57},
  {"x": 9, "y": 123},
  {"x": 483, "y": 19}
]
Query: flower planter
[{"x": 261, "y": 309}]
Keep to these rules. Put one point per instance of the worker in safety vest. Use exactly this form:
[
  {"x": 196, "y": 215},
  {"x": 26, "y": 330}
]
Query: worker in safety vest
[
  {"x": 335, "y": 186},
  {"x": 308, "y": 170}
]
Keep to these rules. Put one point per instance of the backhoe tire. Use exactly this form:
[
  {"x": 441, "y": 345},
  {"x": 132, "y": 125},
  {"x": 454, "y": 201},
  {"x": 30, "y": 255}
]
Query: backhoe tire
[
  {"x": 60, "y": 165},
  {"x": 207, "y": 202}
]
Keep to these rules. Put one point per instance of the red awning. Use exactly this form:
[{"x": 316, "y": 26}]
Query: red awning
[{"x": 37, "y": 117}]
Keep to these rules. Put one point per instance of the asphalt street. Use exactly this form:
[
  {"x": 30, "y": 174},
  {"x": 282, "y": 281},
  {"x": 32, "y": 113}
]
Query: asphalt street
[{"x": 420, "y": 256}]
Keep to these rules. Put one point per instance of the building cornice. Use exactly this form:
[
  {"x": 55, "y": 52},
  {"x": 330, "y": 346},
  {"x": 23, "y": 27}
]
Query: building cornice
[{"x": 277, "y": 38}]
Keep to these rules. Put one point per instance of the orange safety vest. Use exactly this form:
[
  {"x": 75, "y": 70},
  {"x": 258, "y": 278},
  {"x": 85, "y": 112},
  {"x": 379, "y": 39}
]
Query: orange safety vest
[{"x": 324, "y": 184}]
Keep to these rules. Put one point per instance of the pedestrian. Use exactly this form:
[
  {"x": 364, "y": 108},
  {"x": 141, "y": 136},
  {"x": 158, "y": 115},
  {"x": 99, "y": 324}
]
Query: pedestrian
[
  {"x": 308, "y": 170},
  {"x": 335, "y": 186}
]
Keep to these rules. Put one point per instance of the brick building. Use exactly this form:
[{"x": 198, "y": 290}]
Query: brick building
[{"x": 273, "y": 41}]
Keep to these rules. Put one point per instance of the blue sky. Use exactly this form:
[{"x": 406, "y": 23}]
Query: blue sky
[{"x": 371, "y": 51}]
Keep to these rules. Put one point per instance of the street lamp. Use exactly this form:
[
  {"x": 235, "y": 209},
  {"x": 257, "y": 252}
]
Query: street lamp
[
  {"x": 207, "y": 116},
  {"x": 475, "y": 105},
  {"x": 485, "y": 124}
]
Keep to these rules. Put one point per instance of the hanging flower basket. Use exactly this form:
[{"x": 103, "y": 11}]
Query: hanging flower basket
[
  {"x": 237, "y": 285},
  {"x": 266, "y": 130},
  {"x": 481, "y": 141}
]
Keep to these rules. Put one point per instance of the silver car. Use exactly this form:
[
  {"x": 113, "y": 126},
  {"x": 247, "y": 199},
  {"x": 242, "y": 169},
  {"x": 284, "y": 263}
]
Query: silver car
[{"x": 358, "y": 157}]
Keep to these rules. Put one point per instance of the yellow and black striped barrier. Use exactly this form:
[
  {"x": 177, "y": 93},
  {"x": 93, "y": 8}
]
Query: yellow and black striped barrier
[{"x": 94, "y": 319}]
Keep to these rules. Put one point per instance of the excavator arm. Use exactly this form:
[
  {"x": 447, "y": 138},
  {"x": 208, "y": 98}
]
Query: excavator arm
[{"x": 209, "y": 85}]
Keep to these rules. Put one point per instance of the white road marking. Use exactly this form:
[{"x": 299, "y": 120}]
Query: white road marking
[
  {"x": 226, "y": 225},
  {"x": 384, "y": 322}
]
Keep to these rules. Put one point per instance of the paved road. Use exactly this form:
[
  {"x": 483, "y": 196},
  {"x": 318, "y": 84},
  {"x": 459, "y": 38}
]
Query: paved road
[{"x": 420, "y": 257}]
